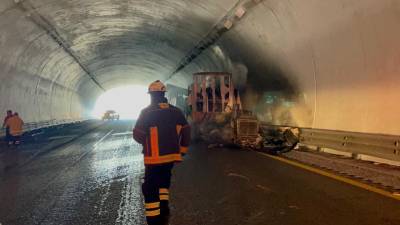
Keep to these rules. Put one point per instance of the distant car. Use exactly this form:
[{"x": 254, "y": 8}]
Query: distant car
[{"x": 110, "y": 115}]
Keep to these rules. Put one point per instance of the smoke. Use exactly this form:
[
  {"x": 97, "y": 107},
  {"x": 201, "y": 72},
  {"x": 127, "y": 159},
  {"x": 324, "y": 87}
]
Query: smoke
[
  {"x": 239, "y": 75},
  {"x": 274, "y": 107}
]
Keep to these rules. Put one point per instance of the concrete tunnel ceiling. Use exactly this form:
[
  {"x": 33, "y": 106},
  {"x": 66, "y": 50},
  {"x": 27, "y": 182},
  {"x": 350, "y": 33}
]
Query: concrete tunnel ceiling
[{"x": 323, "y": 64}]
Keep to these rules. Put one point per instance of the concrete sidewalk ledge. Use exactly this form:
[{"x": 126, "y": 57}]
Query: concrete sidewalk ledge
[
  {"x": 336, "y": 152},
  {"x": 377, "y": 160},
  {"x": 385, "y": 176},
  {"x": 363, "y": 157}
]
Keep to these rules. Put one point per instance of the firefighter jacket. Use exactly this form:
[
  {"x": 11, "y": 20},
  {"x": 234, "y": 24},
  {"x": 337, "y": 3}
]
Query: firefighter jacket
[
  {"x": 5, "y": 120},
  {"x": 164, "y": 133},
  {"x": 15, "y": 124}
]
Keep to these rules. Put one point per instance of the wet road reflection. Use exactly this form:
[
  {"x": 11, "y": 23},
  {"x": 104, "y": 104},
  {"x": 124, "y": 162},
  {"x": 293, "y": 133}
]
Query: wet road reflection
[
  {"x": 93, "y": 180},
  {"x": 96, "y": 179},
  {"x": 11, "y": 159}
]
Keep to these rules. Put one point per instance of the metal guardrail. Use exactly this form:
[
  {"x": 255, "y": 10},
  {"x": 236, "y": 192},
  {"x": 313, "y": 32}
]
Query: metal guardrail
[
  {"x": 44, "y": 124},
  {"x": 377, "y": 145}
]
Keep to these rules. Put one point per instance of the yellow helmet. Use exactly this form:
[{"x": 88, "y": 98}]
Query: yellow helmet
[{"x": 157, "y": 86}]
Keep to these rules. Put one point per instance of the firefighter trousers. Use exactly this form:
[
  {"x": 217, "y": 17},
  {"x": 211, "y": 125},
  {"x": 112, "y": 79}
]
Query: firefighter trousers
[
  {"x": 8, "y": 135},
  {"x": 155, "y": 189}
]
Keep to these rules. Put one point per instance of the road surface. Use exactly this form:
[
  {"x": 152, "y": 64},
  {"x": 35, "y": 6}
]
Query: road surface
[{"x": 93, "y": 176}]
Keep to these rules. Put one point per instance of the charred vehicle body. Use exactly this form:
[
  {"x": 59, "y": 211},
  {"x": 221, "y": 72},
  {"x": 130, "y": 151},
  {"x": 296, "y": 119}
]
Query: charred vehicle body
[{"x": 216, "y": 113}]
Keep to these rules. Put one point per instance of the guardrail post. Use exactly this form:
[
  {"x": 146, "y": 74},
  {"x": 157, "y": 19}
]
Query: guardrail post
[{"x": 355, "y": 156}]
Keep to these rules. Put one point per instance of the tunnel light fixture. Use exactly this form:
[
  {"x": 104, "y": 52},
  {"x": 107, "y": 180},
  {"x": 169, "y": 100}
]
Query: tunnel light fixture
[
  {"x": 228, "y": 24},
  {"x": 240, "y": 12},
  {"x": 224, "y": 25}
]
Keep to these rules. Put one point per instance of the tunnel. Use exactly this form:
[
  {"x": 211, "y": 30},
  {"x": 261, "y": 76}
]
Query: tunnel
[
  {"x": 332, "y": 65},
  {"x": 319, "y": 65}
]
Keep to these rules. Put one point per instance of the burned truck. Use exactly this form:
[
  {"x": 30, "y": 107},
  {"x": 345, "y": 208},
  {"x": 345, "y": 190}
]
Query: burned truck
[
  {"x": 217, "y": 116},
  {"x": 213, "y": 101}
]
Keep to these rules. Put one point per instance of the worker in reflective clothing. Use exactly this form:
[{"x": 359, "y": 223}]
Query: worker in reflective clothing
[
  {"x": 8, "y": 116},
  {"x": 15, "y": 124},
  {"x": 165, "y": 135}
]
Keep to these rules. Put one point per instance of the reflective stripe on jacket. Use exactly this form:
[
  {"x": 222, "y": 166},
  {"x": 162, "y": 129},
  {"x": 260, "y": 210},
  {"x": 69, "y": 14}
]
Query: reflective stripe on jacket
[
  {"x": 15, "y": 124},
  {"x": 164, "y": 133}
]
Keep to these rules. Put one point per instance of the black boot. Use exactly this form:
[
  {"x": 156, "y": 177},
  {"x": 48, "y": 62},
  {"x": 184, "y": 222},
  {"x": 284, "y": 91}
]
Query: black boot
[
  {"x": 155, "y": 220},
  {"x": 165, "y": 213}
]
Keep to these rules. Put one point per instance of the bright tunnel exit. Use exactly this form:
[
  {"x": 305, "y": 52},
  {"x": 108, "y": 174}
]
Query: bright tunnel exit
[{"x": 127, "y": 101}]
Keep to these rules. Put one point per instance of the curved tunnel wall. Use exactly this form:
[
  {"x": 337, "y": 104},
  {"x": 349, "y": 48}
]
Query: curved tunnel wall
[
  {"x": 38, "y": 79},
  {"x": 343, "y": 56},
  {"x": 321, "y": 64}
]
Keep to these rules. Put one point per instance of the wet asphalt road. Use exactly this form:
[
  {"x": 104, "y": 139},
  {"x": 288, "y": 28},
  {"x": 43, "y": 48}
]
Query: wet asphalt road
[{"x": 95, "y": 179}]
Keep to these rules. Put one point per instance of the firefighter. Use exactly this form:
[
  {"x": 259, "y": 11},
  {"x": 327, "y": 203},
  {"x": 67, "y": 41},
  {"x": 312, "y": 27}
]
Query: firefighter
[
  {"x": 8, "y": 116},
  {"x": 165, "y": 136},
  {"x": 15, "y": 123}
]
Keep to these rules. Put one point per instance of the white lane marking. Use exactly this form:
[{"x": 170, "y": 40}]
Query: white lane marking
[
  {"x": 59, "y": 137},
  {"x": 122, "y": 134},
  {"x": 239, "y": 176},
  {"x": 262, "y": 187},
  {"x": 102, "y": 139},
  {"x": 94, "y": 148}
]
